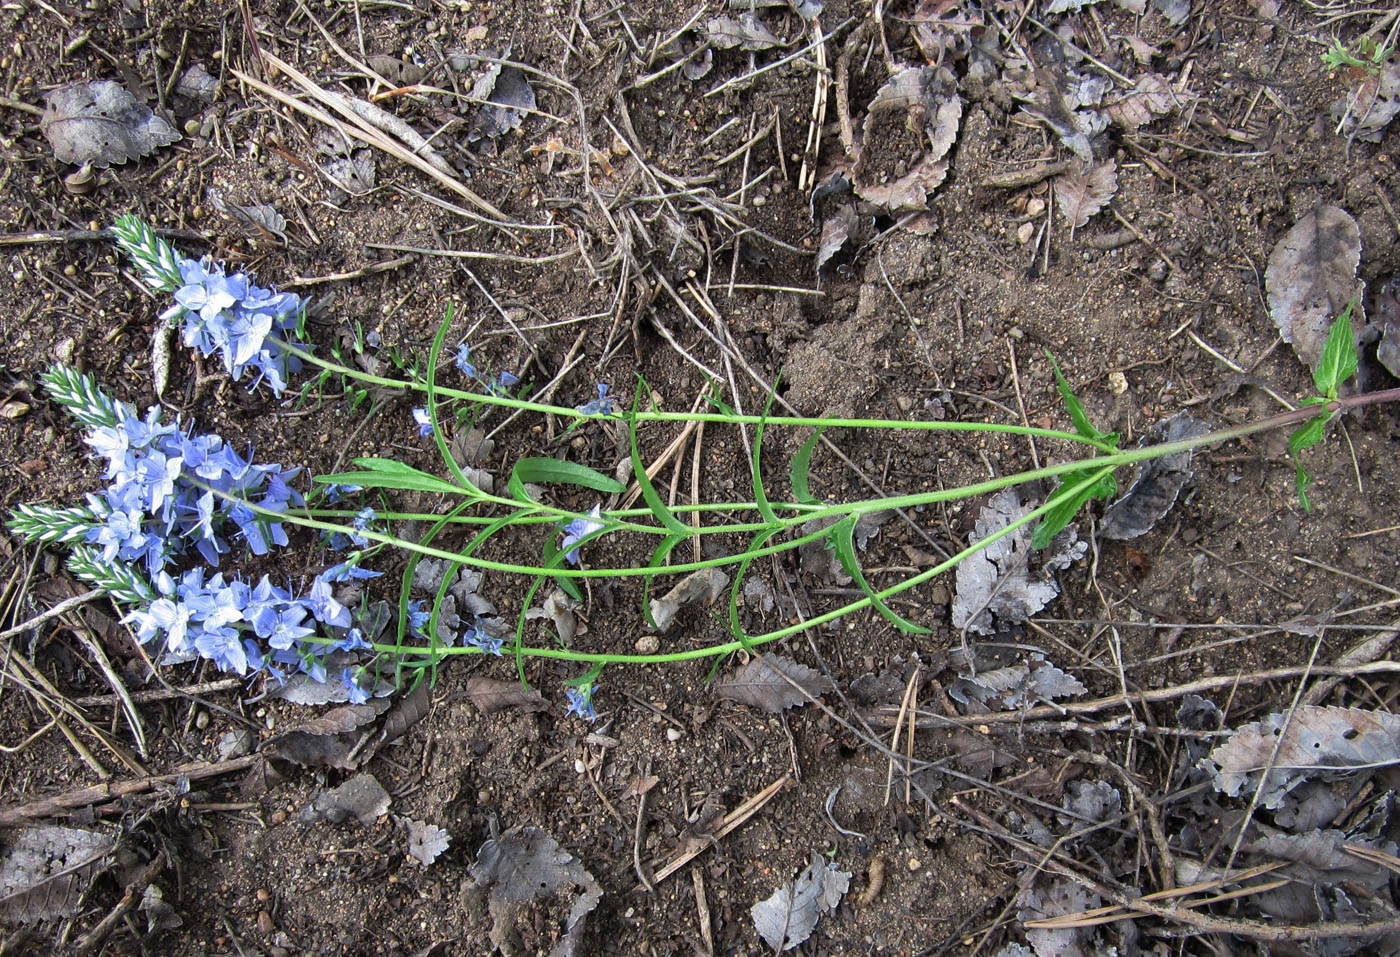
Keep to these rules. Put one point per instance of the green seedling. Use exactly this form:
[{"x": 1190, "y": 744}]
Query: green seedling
[
  {"x": 1337, "y": 364},
  {"x": 1369, "y": 56}
]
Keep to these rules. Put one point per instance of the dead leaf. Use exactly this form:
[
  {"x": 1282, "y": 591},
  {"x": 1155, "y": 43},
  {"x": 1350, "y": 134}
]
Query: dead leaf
[
  {"x": 99, "y": 122},
  {"x": 1056, "y": 104},
  {"x": 702, "y": 585},
  {"x": 526, "y": 864},
  {"x": 1081, "y": 193},
  {"x": 490, "y": 695},
  {"x": 346, "y": 163},
  {"x": 44, "y": 871},
  {"x": 197, "y": 84},
  {"x": 411, "y": 709},
  {"x": 1319, "y": 742},
  {"x": 1311, "y": 277},
  {"x": 426, "y": 842},
  {"x": 328, "y": 739},
  {"x": 997, "y": 582},
  {"x": 1058, "y": 898},
  {"x": 559, "y": 608},
  {"x": 764, "y": 683},
  {"x": 910, "y": 191},
  {"x": 257, "y": 218},
  {"x": 508, "y": 97},
  {"x": 1176, "y": 11},
  {"x": 1158, "y": 484},
  {"x": 1016, "y": 686},
  {"x": 942, "y": 28},
  {"x": 396, "y": 71},
  {"x": 746, "y": 33},
  {"x": 1152, "y": 97},
  {"x": 837, "y": 230},
  {"x": 362, "y": 797},
  {"x": 1368, "y": 108},
  {"x": 788, "y": 917}
]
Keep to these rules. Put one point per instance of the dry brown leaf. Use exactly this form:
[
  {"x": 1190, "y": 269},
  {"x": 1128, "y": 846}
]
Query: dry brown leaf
[
  {"x": 45, "y": 871},
  {"x": 1311, "y": 277},
  {"x": 99, "y": 122},
  {"x": 1152, "y": 96},
  {"x": 910, "y": 191},
  {"x": 702, "y": 585},
  {"x": 490, "y": 695},
  {"x": 1081, "y": 194},
  {"x": 767, "y": 681},
  {"x": 329, "y": 739}
]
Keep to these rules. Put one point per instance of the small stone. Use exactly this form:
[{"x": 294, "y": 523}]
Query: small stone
[
  {"x": 915, "y": 864},
  {"x": 904, "y": 402},
  {"x": 579, "y": 766},
  {"x": 263, "y": 895},
  {"x": 278, "y": 817},
  {"x": 1035, "y": 206},
  {"x": 265, "y": 922},
  {"x": 201, "y": 720},
  {"x": 648, "y": 645},
  {"x": 1024, "y": 232},
  {"x": 1117, "y": 382},
  {"x": 673, "y": 734}
]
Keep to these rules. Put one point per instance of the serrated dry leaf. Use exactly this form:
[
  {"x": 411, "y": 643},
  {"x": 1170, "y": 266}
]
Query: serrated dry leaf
[
  {"x": 44, "y": 871},
  {"x": 1016, "y": 686},
  {"x": 259, "y": 219},
  {"x": 396, "y": 71},
  {"x": 838, "y": 229},
  {"x": 910, "y": 191},
  {"x": 1082, "y": 193},
  {"x": 508, "y": 97},
  {"x": 99, "y": 122},
  {"x": 944, "y": 28},
  {"x": 327, "y": 740},
  {"x": 426, "y": 842},
  {"x": 746, "y": 33},
  {"x": 702, "y": 585},
  {"x": 412, "y": 708},
  {"x": 362, "y": 797},
  {"x": 197, "y": 84},
  {"x": 997, "y": 581},
  {"x": 1312, "y": 276},
  {"x": 490, "y": 695},
  {"x": 1058, "y": 898},
  {"x": 1050, "y": 102},
  {"x": 1158, "y": 484},
  {"x": 1319, "y": 742},
  {"x": 526, "y": 864},
  {"x": 1152, "y": 96},
  {"x": 1368, "y": 108},
  {"x": 764, "y": 683},
  {"x": 788, "y": 917}
]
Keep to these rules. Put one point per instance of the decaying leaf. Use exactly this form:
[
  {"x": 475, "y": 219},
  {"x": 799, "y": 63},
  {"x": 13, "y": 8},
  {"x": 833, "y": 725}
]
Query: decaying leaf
[
  {"x": 1082, "y": 192},
  {"x": 328, "y": 739},
  {"x": 471, "y": 446},
  {"x": 944, "y": 28},
  {"x": 1319, "y": 742},
  {"x": 1312, "y": 276},
  {"x": 1158, "y": 483},
  {"x": 1368, "y": 108},
  {"x": 1057, "y": 103},
  {"x": 426, "y": 842},
  {"x": 491, "y": 695},
  {"x": 838, "y": 229},
  {"x": 257, "y": 218},
  {"x": 1176, "y": 11},
  {"x": 526, "y": 864},
  {"x": 44, "y": 871},
  {"x": 99, "y": 122},
  {"x": 910, "y": 191},
  {"x": 508, "y": 97},
  {"x": 997, "y": 582},
  {"x": 362, "y": 797},
  {"x": 1091, "y": 802},
  {"x": 159, "y": 914},
  {"x": 1057, "y": 899},
  {"x": 788, "y": 917},
  {"x": 303, "y": 689},
  {"x": 929, "y": 97},
  {"x": 395, "y": 70},
  {"x": 764, "y": 683},
  {"x": 702, "y": 585},
  {"x": 197, "y": 84},
  {"x": 1016, "y": 686},
  {"x": 1151, "y": 97},
  {"x": 346, "y": 163},
  {"x": 746, "y": 33},
  {"x": 410, "y": 709}
]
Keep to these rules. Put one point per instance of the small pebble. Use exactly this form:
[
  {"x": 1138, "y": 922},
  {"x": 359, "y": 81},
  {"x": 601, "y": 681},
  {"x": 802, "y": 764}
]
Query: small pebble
[
  {"x": 648, "y": 645},
  {"x": 1117, "y": 382},
  {"x": 579, "y": 766},
  {"x": 201, "y": 720},
  {"x": 915, "y": 864},
  {"x": 1024, "y": 232},
  {"x": 264, "y": 895},
  {"x": 904, "y": 402},
  {"x": 278, "y": 817},
  {"x": 265, "y": 922},
  {"x": 673, "y": 734},
  {"x": 1035, "y": 206}
]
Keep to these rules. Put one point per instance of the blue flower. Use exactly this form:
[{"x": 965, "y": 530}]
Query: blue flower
[
  {"x": 324, "y": 607},
  {"x": 418, "y": 616},
  {"x": 478, "y": 638},
  {"x": 354, "y": 640},
  {"x": 603, "y": 405},
  {"x": 362, "y": 520},
  {"x": 348, "y": 570},
  {"x": 425, "y": 422},
  {"x": 353, "y": 691},
  {"x": 581, "y": 702},
  {"x": 334, "y": 492},
  {"x": 577, "y": 529},
  {"x": 464, "y": 360},
  {"x": 223, "y": 646},
  {"x": 502, "y": 383}
]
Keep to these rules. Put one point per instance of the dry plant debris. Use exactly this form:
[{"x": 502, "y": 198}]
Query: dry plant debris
[
  {"x": 704, "y": 586},
  {"x": 491, "y": 695},
  {"x": 426, "y": 842},
  {"x": 1312, "y": 276},
  {"x": 362, "y": 797},
  {"x": 788, "y": 918},
  {"x": 99, "y": 123},
  {"x": 527, "y": 864},
  {"x": 45, "y": 871},
  {"x": 773, "y": 683},
  {"x": 1158, "y": 485}
]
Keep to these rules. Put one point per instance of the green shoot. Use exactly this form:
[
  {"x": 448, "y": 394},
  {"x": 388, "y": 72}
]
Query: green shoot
[
  {"x": 1336, "y": 365},
  {"x": 1370, "y": 55}
]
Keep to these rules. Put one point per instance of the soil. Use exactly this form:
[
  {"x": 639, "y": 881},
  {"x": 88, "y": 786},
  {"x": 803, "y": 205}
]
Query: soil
[{"x": 674, "y": 254}]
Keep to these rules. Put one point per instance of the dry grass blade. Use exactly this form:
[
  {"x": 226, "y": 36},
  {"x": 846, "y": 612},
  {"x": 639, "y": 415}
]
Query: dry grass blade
[
  {"x": 731, "y": 820},
  {"x": 1389, "y": 861},
  {"x": 1116, "y": 912}
]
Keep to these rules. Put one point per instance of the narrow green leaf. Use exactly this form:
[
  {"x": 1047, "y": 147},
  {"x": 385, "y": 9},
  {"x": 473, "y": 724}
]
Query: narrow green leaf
[
  {"x": 1338, "y": 361},
  {"x": 386, "y": 473},
  {"x": 1307, "y": 435},
  {"x": 639, "y": 471},
  {"x": 1077, "y": 415},
  {"x": 801, "y": 466},
  {"x": 760, "y": 497},
  {"x": 1067, "y": 504},
  {"x": 736, "y": 628},
  {"x": 542, "y": 469},
  {"x": 1301, "y": 478},
  {"x": 567, "y": 585},
  {"x": 843, "y": 541},
  {"x": 430, "y": 381}
]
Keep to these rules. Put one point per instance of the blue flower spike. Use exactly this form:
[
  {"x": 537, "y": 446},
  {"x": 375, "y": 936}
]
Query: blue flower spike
[
  {"x": 577, "y": 529},
  {"x": 581, "y": 701},
  {"x": 424, "y": 421}
]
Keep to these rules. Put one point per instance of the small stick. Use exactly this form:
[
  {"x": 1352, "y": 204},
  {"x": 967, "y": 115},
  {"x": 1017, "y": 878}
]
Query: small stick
[
  {"x": 1028, "y": 176},
  {"x": 93, "y": 940},
  {"x": 731, "y": 821},
  {"x": 702, "y": 906},
  {"x": 370, "y": 270},
  {"x": 1021, "y": 402},
  {"x": 62, "y": 608},
  {"x": 638, "y": 832},
  {"x": 811, "y": 153}
]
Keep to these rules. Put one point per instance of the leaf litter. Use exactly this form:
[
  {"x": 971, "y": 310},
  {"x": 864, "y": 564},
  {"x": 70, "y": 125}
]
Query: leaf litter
[
  {"x": 1083, "y": 191},
  {"x": 361, "y": 797},
  {"x": 767, "y": 682},
  {"x": 702, "y": 586},
  {"x": 746, "y": 33},
  {"x": 426, "y": 842},
  {"x": 1016, "y": 686},
  {"x": 1158, "y": 485},
  {"x": 99, "y": 122},
  {"x": 1311, "y": 277},
  {"x": 45, "y": 871},
  {"x": 789, "y": 917},
  {"x": 527, "y": 864}
]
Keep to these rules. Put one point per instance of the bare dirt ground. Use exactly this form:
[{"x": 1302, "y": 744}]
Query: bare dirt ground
[{"x": 654, "y": 216}]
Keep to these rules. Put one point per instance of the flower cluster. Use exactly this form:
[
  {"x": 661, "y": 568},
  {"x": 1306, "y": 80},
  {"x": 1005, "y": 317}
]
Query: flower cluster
[
  {"x": 581, "y": 701},
  {"x": 603, "y": 405},
  {"x": 228, "y": 314},
  {"x": 501, "y": 384},
  {"x": 577, "y": 529}
]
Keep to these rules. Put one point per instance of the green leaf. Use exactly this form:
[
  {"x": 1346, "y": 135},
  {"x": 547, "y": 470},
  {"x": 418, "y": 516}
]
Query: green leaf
[
  {"x": 1339, "y": 360},
  {"x": 430, "y": 383},
  {"x": 1067, "y": 505},
  {"x": 639, "y": 471},
  {"x": 387, "y": 473},
  {"x": 801, "y": 466},
  {"x": 1077, "y": 415},
  {"x": 658, "y": 561},
  {"x": 543, "y": 469},
  {"x": 1301, "y": 478},
  {"x": 1307, "y": 435},
  {"x": 843, "y": 541},
  {"x": 736, "y": 627},
  {"x": 760, "y": 497}
]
